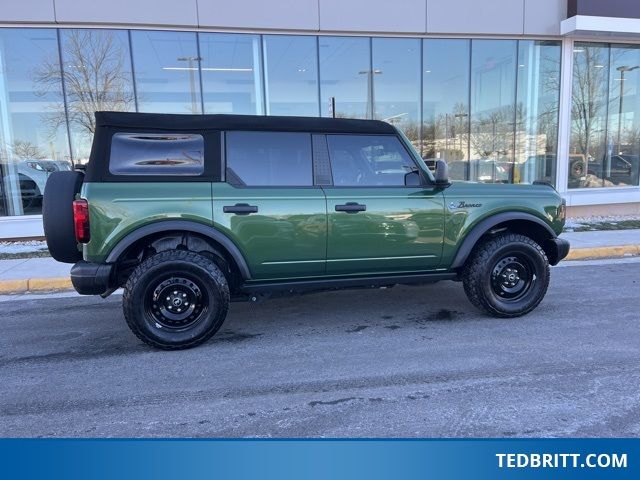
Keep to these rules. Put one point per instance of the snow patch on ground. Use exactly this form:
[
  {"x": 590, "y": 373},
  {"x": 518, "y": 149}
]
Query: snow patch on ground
[
  {"x": 30, "y": 246},
  {"x": 593, "y": 222}
]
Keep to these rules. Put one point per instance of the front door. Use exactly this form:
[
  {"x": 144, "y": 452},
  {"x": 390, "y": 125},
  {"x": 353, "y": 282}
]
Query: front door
[
  {"x": 377, "y": 223},
  {"x": 269, "y": 207}
]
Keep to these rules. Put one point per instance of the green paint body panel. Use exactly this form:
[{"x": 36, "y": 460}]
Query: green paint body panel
[
  {"x": 538, "y": 200},
  {"x": 297, "y": 233},
  {"x": 286, "y": 238},
  {"x": 118, "y": 208},
  {"x": 400, "y": 231}
]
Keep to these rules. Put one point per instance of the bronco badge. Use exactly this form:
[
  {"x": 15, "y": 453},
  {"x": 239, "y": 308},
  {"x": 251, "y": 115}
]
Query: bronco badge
[{"x": 463, "y": 204}]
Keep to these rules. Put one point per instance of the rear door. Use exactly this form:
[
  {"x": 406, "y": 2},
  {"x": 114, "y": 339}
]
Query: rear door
[
  {"x": 269, "y": 206},
  {"x": 378, "y": 223}
]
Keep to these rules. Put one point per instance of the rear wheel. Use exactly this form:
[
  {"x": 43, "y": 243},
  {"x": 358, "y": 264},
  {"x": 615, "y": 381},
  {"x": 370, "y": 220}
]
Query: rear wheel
[
  {"x": 175, "y": 300},
  {"x": 507, "y": 275}
]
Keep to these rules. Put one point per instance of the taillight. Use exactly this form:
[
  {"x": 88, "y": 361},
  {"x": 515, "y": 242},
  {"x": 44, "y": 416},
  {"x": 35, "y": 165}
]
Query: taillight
[{"x": 81, "y": 220}]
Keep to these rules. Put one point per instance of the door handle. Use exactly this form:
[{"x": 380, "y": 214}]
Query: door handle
[
  {"x": 240, "y": 209},
  {"x": 351, "y": 207}
]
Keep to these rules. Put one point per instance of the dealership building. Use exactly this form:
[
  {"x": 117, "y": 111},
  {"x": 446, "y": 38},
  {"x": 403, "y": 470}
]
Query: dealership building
[{"x": 508, "y": 91}]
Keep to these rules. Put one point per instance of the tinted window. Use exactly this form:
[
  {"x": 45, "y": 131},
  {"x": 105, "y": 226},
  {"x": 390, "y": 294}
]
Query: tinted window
[
  {"x": 291, "y": 75},
  {"x": 166, "y": 71},
  {"x": 493, "y": 110},
  {"x": 231, "y": 73},
  {"x": 267, "y": 158},
  {"x": 395, "y": 77},
  {"x": 157, "y": 154},
  {"x": 368, "y": 160},
  {"x": 344, "y": 75}
]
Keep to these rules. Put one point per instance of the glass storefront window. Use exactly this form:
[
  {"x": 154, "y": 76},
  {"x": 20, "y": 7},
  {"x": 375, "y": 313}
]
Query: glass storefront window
[
  {"x": 345, "y": 63},
  {"x": 493, "y": 113},
  {"x": 96, "y": 67},
  {"x": 33, "y": 141},
  {"x": 488, "y": 107},
  {"x": 167, "y": 76},
  {"x": 291, "y": 75},
  {"x": 605, "y": 125},
  {"x": 536, "y": 125},
  {"x": 445, "y": 105},
  {"x": 231, "y": 77},
  {"x": 588, "y": 148},
  {"x": 621, "y": 164},
  {"x": 396, "y": 83}
]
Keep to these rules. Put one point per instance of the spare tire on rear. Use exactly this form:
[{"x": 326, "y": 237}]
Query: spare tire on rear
[{"x": 57, "y": 215}]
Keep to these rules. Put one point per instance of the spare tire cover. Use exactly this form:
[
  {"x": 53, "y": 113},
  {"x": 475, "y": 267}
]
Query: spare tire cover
[{"x": 57, "y": 215}]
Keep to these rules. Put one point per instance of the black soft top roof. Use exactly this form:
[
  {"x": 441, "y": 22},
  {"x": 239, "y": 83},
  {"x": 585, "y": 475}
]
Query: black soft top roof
[{"x": 165, "y": 121}]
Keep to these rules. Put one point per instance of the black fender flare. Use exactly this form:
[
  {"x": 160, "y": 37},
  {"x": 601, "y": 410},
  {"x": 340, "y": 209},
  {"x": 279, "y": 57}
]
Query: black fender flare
[
  {"x": 182, "y": 226},
  {"x": 483, "y": 226}
]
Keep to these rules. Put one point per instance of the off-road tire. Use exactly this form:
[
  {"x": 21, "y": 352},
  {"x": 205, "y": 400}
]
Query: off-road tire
[
  {"x": 187, "y": 270},
  {"x": 480, "y": 273}
]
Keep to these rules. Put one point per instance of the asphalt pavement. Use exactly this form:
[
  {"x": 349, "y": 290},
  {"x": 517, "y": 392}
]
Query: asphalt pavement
[{"x": 401, "y": 362}]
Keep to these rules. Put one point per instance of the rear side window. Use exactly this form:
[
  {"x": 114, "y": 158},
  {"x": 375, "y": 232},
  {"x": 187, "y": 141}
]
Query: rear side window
[
  {"x": 368, "y": 160},
  {"x": 157, "y": 154},
  {"x": 263, "y": 159}
]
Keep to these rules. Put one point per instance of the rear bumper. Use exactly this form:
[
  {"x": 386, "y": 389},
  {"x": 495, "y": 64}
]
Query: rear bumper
[
  {"x": 91, "y": 278},
  {"x": 557, "y": 249}
]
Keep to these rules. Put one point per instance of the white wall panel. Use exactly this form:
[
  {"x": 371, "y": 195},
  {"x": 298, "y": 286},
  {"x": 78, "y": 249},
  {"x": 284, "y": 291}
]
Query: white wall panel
[
  {"x": 26, "y": 11},
  {"x": 137, "y": 12},
  {"x": 400, "y": 16},
  {"x": 543, "y": 17},
  {"x": 280, "y": 14},
  {"x": 498, "y": 17}
]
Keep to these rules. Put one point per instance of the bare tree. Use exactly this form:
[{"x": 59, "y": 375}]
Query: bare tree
[
  {"x": 492, "y": 132},
  {"x": 588, "y": 94},
  {"x": 94, "y": 75},
  {"x": 25, "y": 150}
]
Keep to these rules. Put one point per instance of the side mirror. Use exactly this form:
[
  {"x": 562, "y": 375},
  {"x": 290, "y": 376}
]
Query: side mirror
[
  {"x": 412, "y": 179},
  {"x": 442, "y": 173}
]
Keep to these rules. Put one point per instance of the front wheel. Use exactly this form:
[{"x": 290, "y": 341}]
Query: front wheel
[
  {"x": 175, "y": 300},
  {"x": 507, "y": 275}
]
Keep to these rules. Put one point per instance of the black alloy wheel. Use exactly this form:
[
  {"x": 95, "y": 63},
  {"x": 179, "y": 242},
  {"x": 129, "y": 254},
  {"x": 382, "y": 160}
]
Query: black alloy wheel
[
  {"x": 177, "y": 302},
  {"x": 512, "y": 277}
]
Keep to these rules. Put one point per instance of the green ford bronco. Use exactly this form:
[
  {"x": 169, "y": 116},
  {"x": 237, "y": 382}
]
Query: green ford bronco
[{"x": 190, "y": 212}]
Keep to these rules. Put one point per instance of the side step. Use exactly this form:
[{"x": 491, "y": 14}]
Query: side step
[{"x": 305, "y": 286}]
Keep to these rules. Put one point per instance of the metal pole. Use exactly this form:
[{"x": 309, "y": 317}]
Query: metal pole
[{"x": 622, "y": 70}]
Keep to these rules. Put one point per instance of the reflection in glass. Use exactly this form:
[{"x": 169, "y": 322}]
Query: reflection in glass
[
  {"x": 157, "y": 154},
  {"x": 291, "y": 75},
  {"x": 620, "y": 166},
  {"x": 537, "y": 111},
  {"x": 493, "y": 85},
  {"x": 445, "y": 107},
  {"x": 97, "y": 76},
  {"x": 33, "y": 140},
  {"x": 231, "y": 81},
  {"x": 344, "y": 70},
  {"x": 166, "y": 71},
  {"x": 395, "y": 79},
  {"x": 588, "y": 114}
]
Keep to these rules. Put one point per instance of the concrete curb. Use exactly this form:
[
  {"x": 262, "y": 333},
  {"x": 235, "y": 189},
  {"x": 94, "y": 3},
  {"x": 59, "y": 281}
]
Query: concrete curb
[
  {"x": 60, "y": 284},
  {"x": 603, "y": 252},
  {"x": 35, "y": 285}
]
